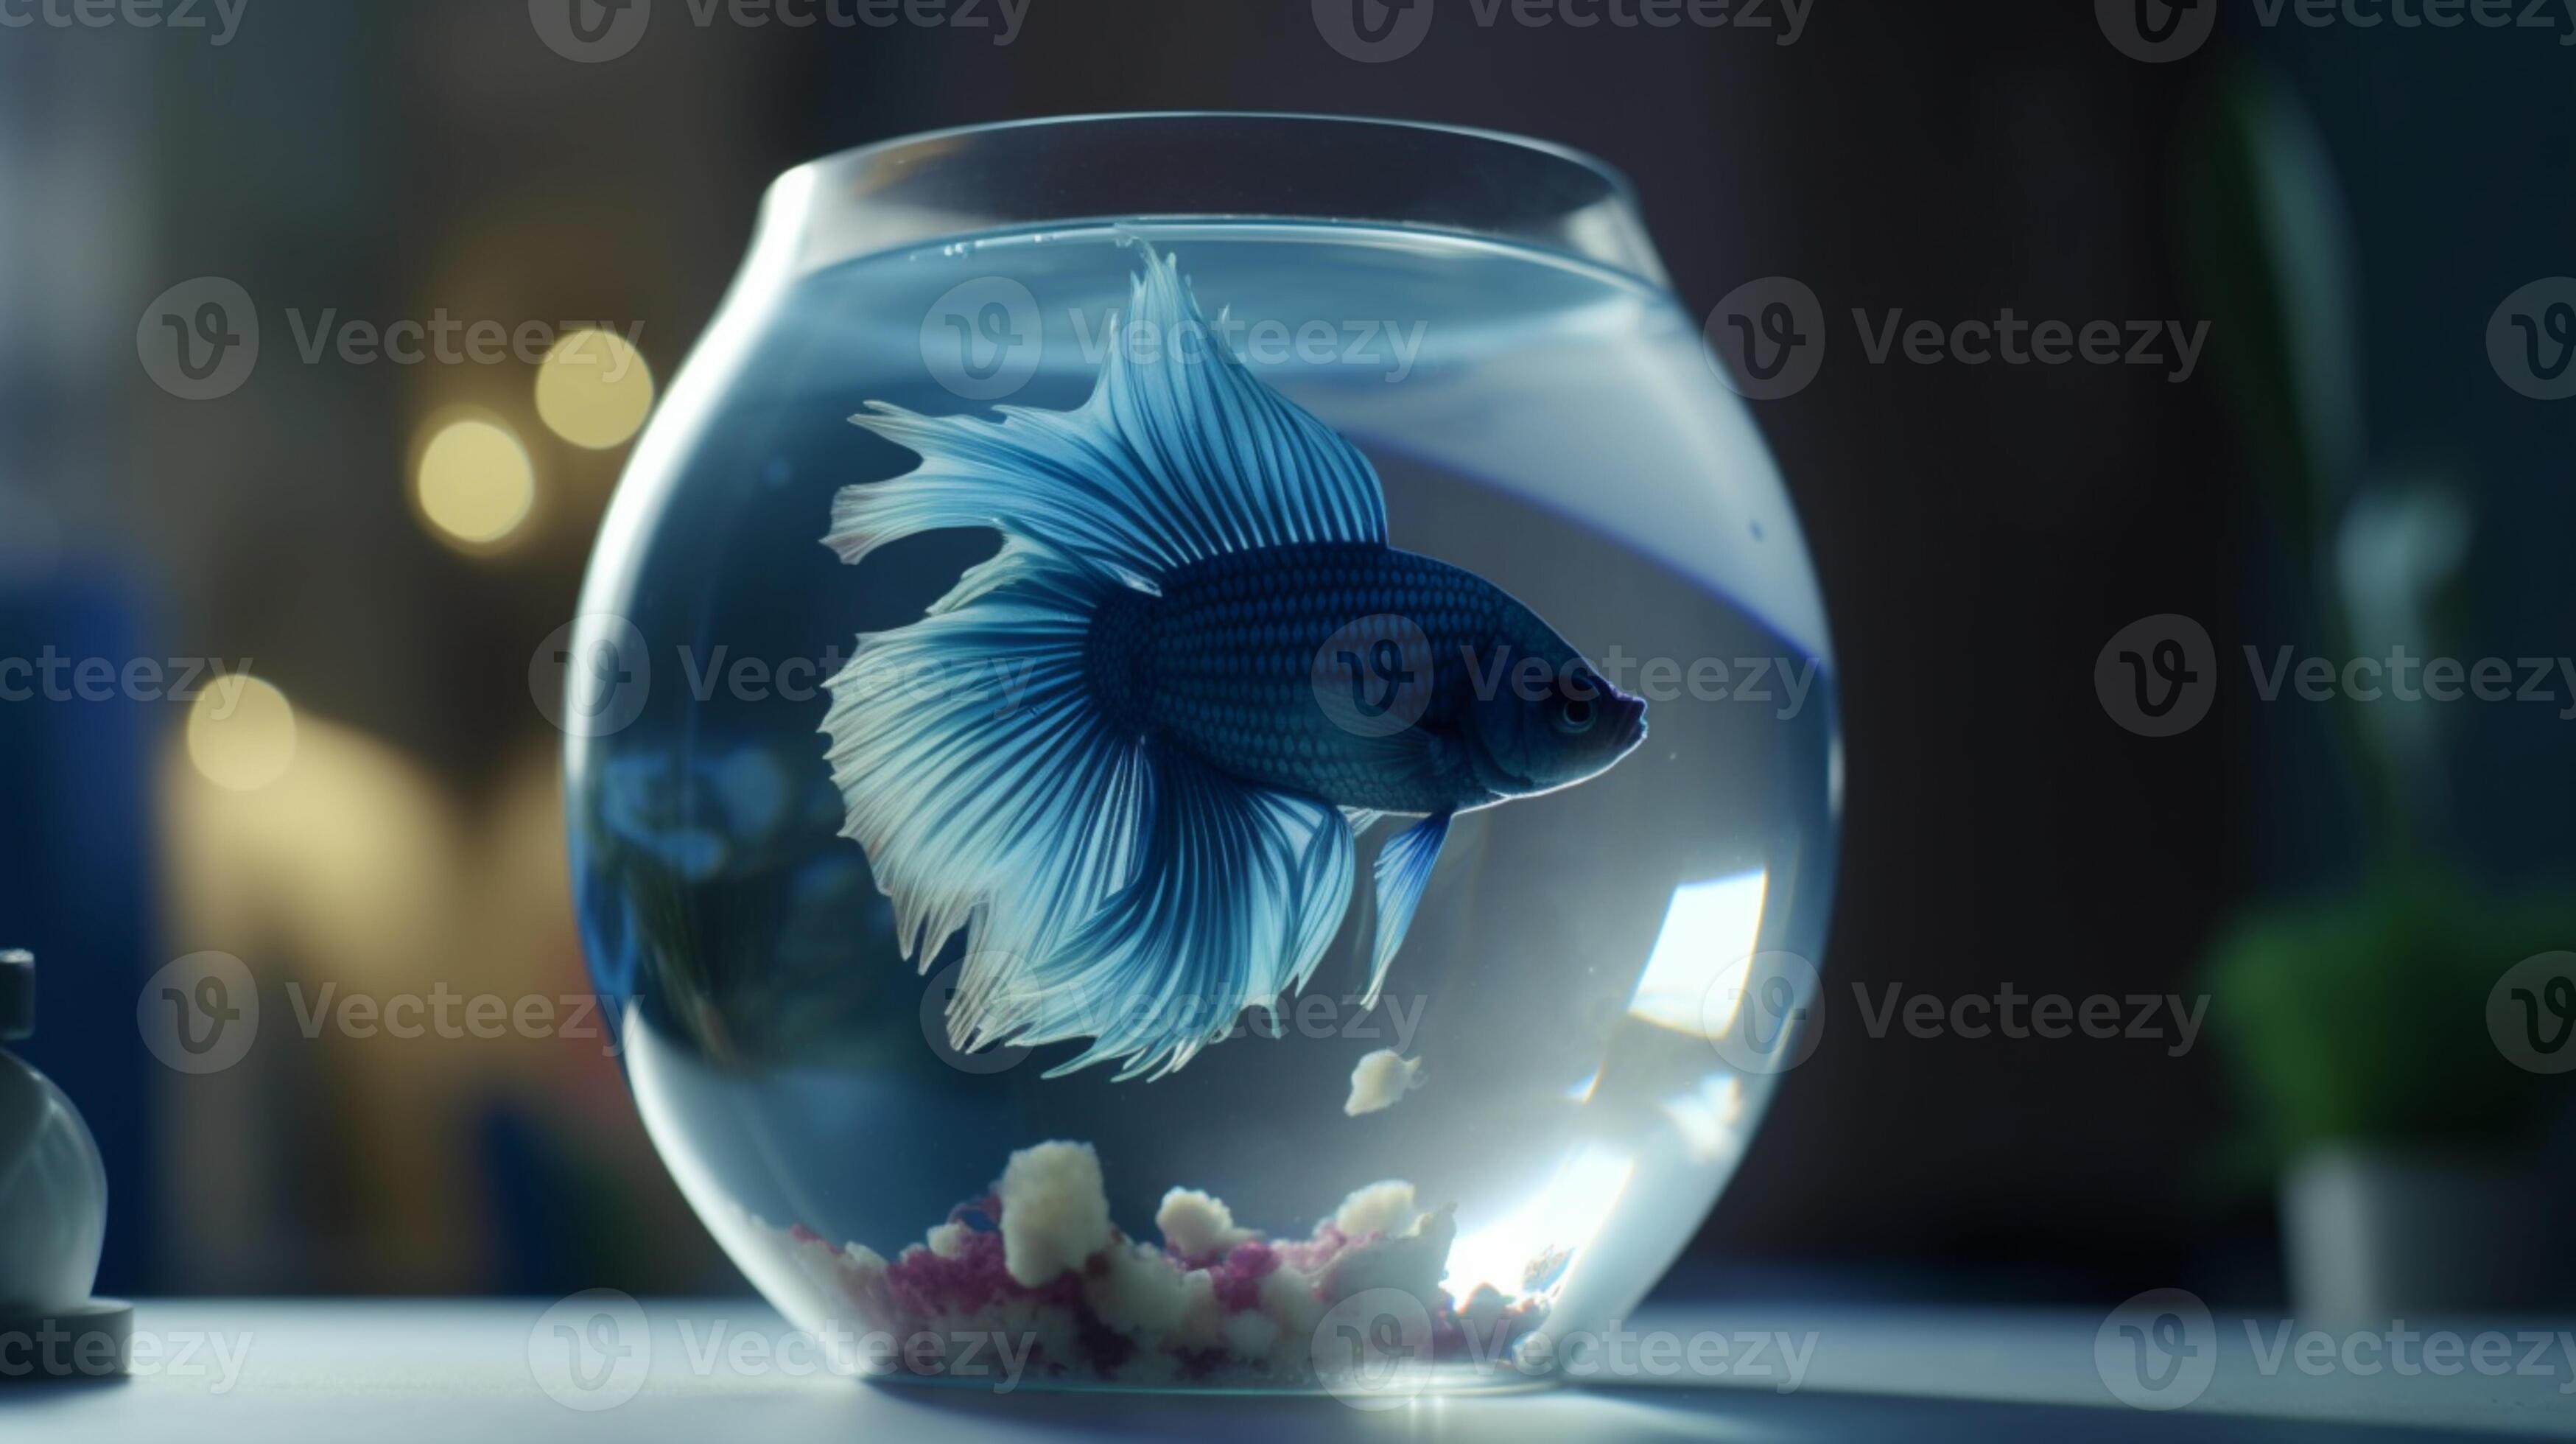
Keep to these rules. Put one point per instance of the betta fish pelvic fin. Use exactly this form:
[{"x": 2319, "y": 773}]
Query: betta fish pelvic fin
[{"x": 1116, "y": 887}]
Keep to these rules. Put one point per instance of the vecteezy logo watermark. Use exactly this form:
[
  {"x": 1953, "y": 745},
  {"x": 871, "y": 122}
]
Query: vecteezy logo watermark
[
  {"x": 1374, "y": 677},
  {"x": 591, "y": 676},
  {"x": 226, "y": 15},
  {"x": 1769, "y": 336},
  {"x": 2156, "y": 31},
  {"x": 1766, "y": 1015},
  {"x": 592, "y": 1351},
  {"x": 1373, "y": 1350},
  {"x": 1769, "y": 340},
  {"x": 199, "y": 1014},
  {"x": 592, "y": 31},
  {"x": 2157, "y": 676},
  {"x": 2158, "y": 1351},
  {"x": 2531, "y": 1013},
  {"x": 984, "y": 339},
  {"x": 936, "y": 1000},
  {"x": 199, "y": 340},
  {"x": 1375, "y": 31},
  {"x": 2531, "y": 338}
]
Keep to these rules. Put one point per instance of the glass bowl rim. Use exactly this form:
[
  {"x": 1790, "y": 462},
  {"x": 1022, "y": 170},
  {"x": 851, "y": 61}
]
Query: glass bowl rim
[
  {"x": 1616, "y": 179},
  {"x": 848, "y": 204}
]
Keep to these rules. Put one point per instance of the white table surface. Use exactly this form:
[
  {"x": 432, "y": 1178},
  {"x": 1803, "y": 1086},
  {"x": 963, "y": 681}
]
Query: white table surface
[{"x": 390, "y": 1373}]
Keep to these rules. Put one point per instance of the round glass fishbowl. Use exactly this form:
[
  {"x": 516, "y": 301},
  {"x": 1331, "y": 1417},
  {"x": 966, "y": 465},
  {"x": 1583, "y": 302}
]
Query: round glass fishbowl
[{"x": 1203, "y": 754}]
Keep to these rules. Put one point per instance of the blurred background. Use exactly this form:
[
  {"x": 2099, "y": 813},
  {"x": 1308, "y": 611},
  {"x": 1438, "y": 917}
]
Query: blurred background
[{"x": 2347, "y": 470}]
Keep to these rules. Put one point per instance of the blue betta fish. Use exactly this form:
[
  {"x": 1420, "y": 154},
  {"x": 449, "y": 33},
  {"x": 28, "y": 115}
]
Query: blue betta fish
[{"x": 1220, "y": 674}]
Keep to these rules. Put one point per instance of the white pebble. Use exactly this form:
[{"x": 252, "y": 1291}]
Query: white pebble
[
  {"x": 1380, "y": 1079},
  {"x": 1196, "y": 1224},
  {"x": 1385, "y": 1208},
  {"x": 1055, "y": 1211}
]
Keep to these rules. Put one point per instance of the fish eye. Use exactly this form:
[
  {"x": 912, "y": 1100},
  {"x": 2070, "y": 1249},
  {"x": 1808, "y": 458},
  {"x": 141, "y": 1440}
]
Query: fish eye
[{"x": 1575, "y": 716}]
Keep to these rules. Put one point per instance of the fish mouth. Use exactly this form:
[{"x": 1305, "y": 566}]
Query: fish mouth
[{"x": 1632, "y": 723}]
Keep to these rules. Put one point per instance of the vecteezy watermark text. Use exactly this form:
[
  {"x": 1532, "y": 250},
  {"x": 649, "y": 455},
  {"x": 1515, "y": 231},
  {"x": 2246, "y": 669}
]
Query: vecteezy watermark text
[
  {"x": 2158, "y": 676},
  {"x": 50, "y": 676},
  {"x": 1768, "y": 337},
  {"x": 592, "y": 677},
  {"x": 1376, "y": 1349},
  {"x": 2401, "y": 677},
  {"x": 448, "y": 1015},
  {"x": 1374, "y": 677},
  {"x": 2049, "y": 1016},
  {"x": 222, "y": 17},
  {"x": 594, "y": 1351},
  {"x": 1768, "y": 1015},
  {"x": 985, "y": 339},
  {"x": 595, "y": 31},
  {"x": 2163, "y": 1349},
  {"x": 1376, "y": 31},
  {"x": 200, "y": 340},
  {"x": 201, "y": 1013},
  {"x": 53, "y": 1352},
  {"x": 2157, "y": 31},
  {"x": 1494, "y": 672},
  {"x": 2166, "y": 344},
  {"x": 1390, "y": 1020}
]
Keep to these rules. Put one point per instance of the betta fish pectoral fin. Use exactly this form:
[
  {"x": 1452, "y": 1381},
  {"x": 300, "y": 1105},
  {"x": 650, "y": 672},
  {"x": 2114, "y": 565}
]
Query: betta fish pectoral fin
[
  {"x": 1154, "y": 828},
  {"x": 1403, "y": 871}
]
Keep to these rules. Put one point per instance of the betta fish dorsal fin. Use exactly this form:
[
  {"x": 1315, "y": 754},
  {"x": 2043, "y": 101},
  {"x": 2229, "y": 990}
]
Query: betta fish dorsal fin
[
  {"x": 1403, "y": 870},
  {"x": 1181, "y": 454},
  {"x": 1245, "y": 466}
]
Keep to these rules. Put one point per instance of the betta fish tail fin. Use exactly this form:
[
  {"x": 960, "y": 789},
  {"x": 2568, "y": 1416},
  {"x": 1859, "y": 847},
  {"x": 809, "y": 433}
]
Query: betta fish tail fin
[
  {"x": 1114, "y": 890},
  {"x": 1117, "y": 889},
  {"x": 1236, "y": 893}
]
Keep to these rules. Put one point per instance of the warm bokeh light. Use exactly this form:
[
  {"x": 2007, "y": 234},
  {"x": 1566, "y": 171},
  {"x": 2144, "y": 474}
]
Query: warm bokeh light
[
  {"x": 594, "y": 389},
  {"x": 476, "y": 484},
  {"x": 241, "y": 733}
]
